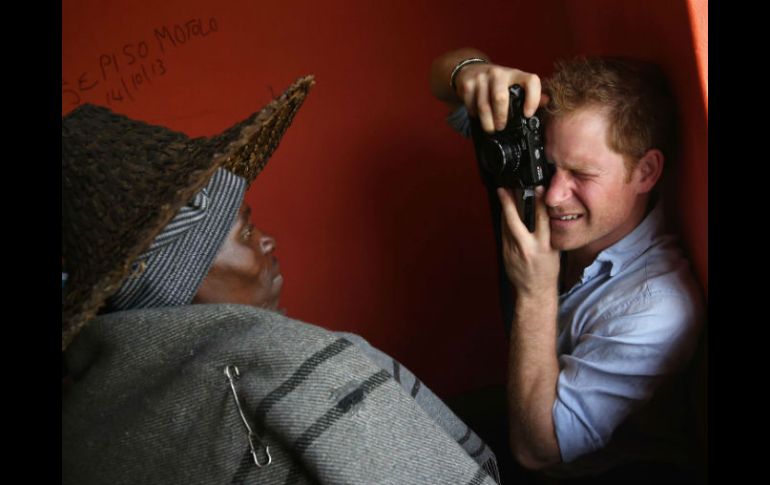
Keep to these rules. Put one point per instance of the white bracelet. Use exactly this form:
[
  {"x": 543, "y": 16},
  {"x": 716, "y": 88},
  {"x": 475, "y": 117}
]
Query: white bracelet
[{"x": 460, "y": 65}]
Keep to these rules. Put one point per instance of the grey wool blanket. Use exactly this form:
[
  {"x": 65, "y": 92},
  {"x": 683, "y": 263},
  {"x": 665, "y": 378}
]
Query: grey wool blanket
[{"x": 151, "y": 403}]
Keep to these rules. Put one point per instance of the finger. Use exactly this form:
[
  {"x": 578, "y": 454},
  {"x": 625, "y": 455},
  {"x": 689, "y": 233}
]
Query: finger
[
  {"x": 532, "y": 93},
  {"x": 543, "y": 224},
  {"x": 482, "y": 103},
  {"x": 508, "y": 242},
  {"x": 511, "y": 213},
  {"x": 499, "y": 93},
  {"x": 467, "y": 93}
]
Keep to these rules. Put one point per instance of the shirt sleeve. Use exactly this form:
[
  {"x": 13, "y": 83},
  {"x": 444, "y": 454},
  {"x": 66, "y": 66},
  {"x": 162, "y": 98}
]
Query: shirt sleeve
[
  {"x": 617, "y": 364},
  {"x": 459, "y": 121}
]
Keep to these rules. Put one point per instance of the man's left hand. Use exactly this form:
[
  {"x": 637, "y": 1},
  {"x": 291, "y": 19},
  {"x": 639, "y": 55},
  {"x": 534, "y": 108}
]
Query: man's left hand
[{"x": 531, "y": 263}]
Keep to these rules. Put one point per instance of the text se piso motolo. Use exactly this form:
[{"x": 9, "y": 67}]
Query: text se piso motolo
[{"x": 123, "y": 74}]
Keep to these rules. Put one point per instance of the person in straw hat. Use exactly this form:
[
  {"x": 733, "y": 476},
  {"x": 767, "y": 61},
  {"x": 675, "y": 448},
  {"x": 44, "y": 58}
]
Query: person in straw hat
[{"x": 178, "y": 368}]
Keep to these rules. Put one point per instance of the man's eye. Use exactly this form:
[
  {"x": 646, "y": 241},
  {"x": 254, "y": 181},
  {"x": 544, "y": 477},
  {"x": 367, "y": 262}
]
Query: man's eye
[
  {"x": 585, "y": 176},
  {"x": 247, "y": 232}
]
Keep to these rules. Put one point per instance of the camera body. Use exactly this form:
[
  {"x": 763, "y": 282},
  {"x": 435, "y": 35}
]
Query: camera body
[{"x": 515, "y": 156}]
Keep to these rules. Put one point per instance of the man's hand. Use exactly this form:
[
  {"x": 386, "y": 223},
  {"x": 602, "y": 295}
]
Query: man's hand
[
  {"x": 483, "y": 89},
  {"x": 531, "y": 263}
]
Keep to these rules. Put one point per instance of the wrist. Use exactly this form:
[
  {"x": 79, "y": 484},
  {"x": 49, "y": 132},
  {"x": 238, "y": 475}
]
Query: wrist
[
  {"x": 542, "y": 300},
  {"x": 459, "y": 67}
]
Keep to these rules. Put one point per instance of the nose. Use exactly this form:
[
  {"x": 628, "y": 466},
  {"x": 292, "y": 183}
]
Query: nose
[
  {"x": 559, "y": 189},
  {"x": 266, "y": 243}
]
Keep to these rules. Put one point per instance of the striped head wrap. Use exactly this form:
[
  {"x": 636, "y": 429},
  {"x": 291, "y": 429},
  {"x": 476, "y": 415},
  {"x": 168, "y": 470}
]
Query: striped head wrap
[{"x": 169, "y": 272}]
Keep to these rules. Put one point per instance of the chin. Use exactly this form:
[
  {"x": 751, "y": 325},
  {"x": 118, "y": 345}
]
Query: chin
[
  {"x": 568, "y": 242},
  {"x": 561, "y": 244},
  {"x": 271, "y": 303}
]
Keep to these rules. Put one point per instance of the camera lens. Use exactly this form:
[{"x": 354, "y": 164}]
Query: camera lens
[{"x": 498, "y": 157}]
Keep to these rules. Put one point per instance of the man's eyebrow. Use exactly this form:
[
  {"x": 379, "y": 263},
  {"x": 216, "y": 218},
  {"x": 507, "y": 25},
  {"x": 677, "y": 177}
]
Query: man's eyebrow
[
  {"x": 246, "y": 215},
  {"x": 577, "y": 166},
  {"x": 586, "y": 169}
]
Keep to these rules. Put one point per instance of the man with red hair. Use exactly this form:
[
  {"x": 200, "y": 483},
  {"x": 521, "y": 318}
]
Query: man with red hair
[{"x": 606, "y": 312}]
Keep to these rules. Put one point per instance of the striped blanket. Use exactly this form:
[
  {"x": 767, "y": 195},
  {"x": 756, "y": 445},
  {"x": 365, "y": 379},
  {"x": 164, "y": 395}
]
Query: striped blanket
[{"x": 152, "y": 402}]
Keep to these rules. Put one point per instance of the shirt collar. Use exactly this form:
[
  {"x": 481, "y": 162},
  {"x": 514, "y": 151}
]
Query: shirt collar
[{"x": 625, "y": 251}]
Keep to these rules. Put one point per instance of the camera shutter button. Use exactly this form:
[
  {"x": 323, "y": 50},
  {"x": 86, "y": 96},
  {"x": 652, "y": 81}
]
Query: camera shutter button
[{"x": 534, "y": 123}]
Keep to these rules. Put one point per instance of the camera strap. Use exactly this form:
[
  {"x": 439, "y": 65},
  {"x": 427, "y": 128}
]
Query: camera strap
[{"x": 528, "y": 198}]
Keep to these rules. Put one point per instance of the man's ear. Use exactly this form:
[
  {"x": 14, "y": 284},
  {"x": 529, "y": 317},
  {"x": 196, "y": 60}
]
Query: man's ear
[{"x": 648, "y": 170}]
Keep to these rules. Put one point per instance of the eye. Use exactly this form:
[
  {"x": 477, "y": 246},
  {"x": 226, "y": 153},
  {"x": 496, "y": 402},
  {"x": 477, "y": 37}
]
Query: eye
[
  {"x": 247, "y": 232},
  {"x": 582, "y": 175}
]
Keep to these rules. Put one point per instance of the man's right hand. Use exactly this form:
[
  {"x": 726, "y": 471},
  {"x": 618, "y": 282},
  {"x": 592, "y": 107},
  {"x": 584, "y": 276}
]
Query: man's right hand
[{"x": 483, "y": 89}]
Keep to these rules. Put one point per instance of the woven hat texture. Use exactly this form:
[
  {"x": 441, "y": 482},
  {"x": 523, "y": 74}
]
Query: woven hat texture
[{"x": 124, "y": 180}]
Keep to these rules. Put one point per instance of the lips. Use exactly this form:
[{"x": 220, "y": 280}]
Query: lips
[
  {"x": 278, "y": 281},
  {"x": 564, "y": 220}
]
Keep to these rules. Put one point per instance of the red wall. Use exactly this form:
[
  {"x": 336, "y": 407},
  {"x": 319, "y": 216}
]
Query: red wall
[{"x": 381, "y": 221}]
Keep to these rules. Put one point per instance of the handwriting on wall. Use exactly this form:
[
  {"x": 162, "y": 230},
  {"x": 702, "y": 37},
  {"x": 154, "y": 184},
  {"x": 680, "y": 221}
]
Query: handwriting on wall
[{"x": 121, "y": 75}]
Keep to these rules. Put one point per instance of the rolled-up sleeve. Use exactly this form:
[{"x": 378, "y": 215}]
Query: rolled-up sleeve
[
  {"x": 616, "y": 366},
  {"x": 460, "y": 122}
]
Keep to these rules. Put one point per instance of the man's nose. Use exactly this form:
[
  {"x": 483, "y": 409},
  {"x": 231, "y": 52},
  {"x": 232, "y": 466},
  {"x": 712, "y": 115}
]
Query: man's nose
[
  {"x": 266, "y": 244},
  {"x": 558, "y": 189}
]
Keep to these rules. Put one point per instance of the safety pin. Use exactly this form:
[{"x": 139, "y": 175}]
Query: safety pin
[{"x": 232, "y": 373}]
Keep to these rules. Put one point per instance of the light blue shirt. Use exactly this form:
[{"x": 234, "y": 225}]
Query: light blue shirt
[{"x": 631, "y": 322}]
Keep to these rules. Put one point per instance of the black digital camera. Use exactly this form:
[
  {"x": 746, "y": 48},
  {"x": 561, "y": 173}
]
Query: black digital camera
[{"x": 515, "y": 156}]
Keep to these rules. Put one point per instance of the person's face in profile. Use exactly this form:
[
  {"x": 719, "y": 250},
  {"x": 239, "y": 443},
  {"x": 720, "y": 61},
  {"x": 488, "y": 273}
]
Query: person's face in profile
[
  {"x": 245, "y": 270},
  {"x": 591, "y": 199}
]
